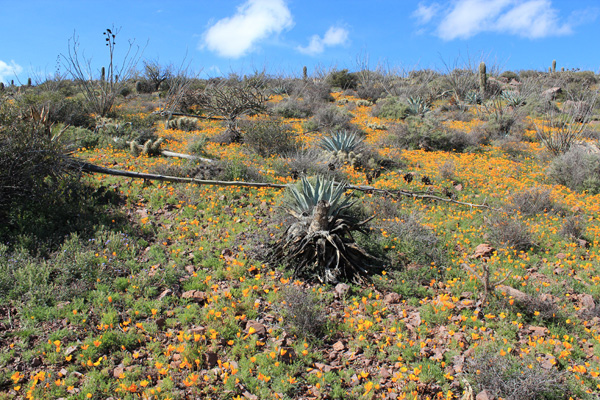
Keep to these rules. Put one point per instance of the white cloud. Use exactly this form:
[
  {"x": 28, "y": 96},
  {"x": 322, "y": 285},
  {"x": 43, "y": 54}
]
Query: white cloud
[
  {"x": 333, "y": 37},
  {"x": 469, "y": 17},
  {"x": 255, "y": 20},
  {"x": 466, "y": 18},
  {"x": 532, "y": 19},
  {"x": 8, "y": 71},
  {"x": 424, "y": 14}
]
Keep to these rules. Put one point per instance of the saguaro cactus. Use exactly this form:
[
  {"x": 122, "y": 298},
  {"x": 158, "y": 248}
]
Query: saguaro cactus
[
  {"x": 304, "y": 73},
  {"x": 553, "y": 65},
  {"x": 482, "y": 78},
  {"x": 103, "y": 74}
]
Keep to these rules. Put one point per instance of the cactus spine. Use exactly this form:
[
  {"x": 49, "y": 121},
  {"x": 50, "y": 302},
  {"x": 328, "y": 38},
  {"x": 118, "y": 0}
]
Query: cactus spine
[
  {"x": 553, "y": 65},
  {"x": 482, "y": 78}
]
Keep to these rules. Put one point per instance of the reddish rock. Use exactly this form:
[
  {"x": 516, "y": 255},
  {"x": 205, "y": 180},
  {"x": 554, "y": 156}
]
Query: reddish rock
[
  {"x": 484, "y": 395},
  {"x": 254, "y": 327},
  {"x": 484, "y": 250},
  {"x": 392, "y": 298},
  {"x": 338, "y": 346},
  {"x": 195, "y": 295}
]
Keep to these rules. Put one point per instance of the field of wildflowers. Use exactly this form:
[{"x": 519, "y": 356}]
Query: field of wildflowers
[{"x": 168, "y": 299}]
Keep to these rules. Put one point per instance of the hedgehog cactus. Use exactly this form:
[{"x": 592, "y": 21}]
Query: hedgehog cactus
[
  {"x": 134, "y": 148},
  {"x": 155, "y": 148}
]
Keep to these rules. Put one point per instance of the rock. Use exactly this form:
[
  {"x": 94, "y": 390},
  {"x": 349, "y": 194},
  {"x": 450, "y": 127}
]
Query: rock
[
  {"x": 36, "y": 362},
  {"x": 484, "y": 250},
  {"x": 561, "y": 256},
  {"x": 160, "y": 323},
  {"x": 587, "y": 301},
  {"x": 512, "y": 292},
  {"x": 484, "y": 395},
  {"x": 341, "y": 289},
  {"x": 338, "y": 346},
  {"x": 287, "y": 356},
  {"x": 118, "y": 371},
  {"x": 211, "y": 358},
  {"x": 254, "y": 327},
  {"x": 551, "y": 93},
  {"x": 198, "y": 330},
  {"x": 392, "y": 298},
  {"x": 538, "y": 330},
  {"x": 195, "y": 295}
]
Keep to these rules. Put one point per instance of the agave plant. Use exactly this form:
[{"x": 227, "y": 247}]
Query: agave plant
[
  {"x": 307, "y": 196},
  {"x": 319, "y": 244},
  {"x": 341, "y": 141},
  {"x": 418, "y": 106},
  {"x": 473, "y": 97},
  {"x": 513, "y": 99}
]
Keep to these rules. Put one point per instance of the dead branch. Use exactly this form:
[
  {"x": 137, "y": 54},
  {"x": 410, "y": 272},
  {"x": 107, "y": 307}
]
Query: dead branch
[{"x": 91, "y": 168}]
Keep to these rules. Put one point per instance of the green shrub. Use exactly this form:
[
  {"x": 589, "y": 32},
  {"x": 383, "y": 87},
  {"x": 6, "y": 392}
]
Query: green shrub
[
  {"x": 343, "y": 79},
  {"x": 576, "y": 169},
  {"x": 429, "y": 134},
  {"x": 332, "y": 118},
  {"x": 391, "y": 108}
]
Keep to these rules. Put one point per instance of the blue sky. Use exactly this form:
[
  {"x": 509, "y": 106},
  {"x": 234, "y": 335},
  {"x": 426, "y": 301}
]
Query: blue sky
[{"x": 222, "y": 36}]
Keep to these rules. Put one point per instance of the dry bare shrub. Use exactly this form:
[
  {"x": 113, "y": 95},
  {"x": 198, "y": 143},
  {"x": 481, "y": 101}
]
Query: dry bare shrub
[
  {"x": 303, "y": 314},
  {"x": 511, "y": 232},
  {"x": 533, "y": 201},
  {"x": 447, "y": 170},
  {"x": 572, "y": 227},
  {"x": 511, "y": 378}
]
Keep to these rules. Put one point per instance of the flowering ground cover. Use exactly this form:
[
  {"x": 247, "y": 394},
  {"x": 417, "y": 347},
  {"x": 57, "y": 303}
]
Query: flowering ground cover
[{"x": 170, "y": 299}]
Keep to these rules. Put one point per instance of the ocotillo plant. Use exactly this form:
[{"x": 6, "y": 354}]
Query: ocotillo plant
[{"x": 482, "y": 78}]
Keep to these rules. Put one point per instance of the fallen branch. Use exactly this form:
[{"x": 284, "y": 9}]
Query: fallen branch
[
  {"x": 180, "y": 114},
  {"x": 168, "y": 153},
  {"x": 91, "y": 168}
]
